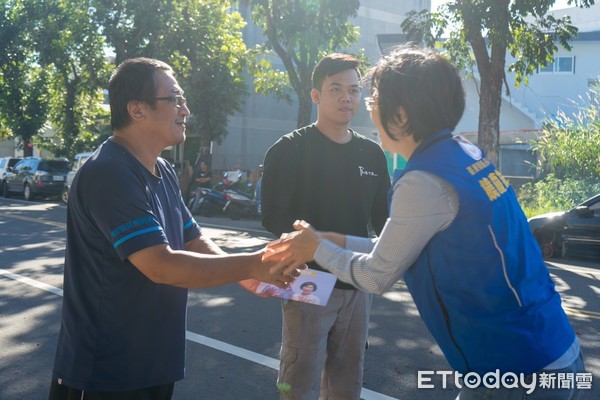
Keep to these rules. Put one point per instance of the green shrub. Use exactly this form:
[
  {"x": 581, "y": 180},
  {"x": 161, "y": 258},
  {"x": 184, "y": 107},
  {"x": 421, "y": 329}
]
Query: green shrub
[
  {"x": 553, "y": 194},
  {"x": 569, "y": 161}
]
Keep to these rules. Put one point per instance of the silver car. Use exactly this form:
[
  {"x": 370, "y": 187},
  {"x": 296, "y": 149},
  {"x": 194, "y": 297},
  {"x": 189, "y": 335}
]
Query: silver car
[{"x": 78, "y": 161}]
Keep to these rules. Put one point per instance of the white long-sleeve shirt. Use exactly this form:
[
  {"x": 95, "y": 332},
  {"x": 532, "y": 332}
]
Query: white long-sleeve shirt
[{"x": 422, "y": 205}]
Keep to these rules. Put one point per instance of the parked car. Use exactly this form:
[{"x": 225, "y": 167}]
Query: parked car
[
  {"x": 75, "y": 165},
  {"x": 570, "y": 233},
  {"x": 5, "y": 164},
  {"x": 33, "y": 176}
]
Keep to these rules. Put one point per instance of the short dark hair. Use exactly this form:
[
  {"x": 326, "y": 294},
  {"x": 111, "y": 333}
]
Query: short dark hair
[
  {"x": 332, "y": 64},
  {"x": 424, "y": 83},
  {"x": 314, "y": 285},
  {"x": 134, "y": 79}
]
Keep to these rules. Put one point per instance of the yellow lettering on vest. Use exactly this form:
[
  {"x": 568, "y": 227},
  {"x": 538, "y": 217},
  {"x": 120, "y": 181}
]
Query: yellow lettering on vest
[
  {"x": 478, "y": 166},
  {"x": 489, "y": 189},
  {"x": 498, "y": 184},
  {"x": 502, "y": 178}
]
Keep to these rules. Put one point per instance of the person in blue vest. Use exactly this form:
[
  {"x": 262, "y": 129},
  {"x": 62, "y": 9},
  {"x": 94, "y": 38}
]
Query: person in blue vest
[{"x": 457, "y": 235}]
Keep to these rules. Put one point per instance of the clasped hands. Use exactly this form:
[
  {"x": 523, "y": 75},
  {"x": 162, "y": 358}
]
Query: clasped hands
[
  {"x": 293, "y": 250},
  {"x": 286, "y": 257}
]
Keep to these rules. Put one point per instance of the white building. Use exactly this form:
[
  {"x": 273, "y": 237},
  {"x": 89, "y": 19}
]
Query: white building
[{"x": 561, "y": 86}]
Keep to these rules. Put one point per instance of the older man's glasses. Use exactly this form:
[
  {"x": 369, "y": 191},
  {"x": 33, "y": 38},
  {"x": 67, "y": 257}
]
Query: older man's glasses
[
  {"x": 178, "y": 100},
  {"x": 370, "y": 103}
]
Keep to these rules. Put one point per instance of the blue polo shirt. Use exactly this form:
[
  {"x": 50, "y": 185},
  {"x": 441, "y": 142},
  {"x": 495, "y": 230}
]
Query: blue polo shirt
[{"x": 119, "y": 330}]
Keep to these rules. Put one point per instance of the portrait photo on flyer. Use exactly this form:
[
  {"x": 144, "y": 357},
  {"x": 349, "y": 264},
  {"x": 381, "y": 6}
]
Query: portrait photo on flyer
[{"x": 313, "y": 287}]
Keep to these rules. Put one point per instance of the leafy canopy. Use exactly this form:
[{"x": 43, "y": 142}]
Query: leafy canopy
[{"x": 300, "y": 33}]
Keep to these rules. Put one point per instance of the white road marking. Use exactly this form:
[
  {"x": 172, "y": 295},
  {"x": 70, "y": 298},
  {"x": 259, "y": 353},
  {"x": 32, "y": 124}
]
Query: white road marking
[
  {"x": 32, "y": 282},
  {"x": 257, "y": 358}
]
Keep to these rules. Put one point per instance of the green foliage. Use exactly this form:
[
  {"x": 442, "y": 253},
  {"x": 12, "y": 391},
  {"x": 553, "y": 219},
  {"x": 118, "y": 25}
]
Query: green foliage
[
  {"x": 56, "y": 61},
  {"x": 285, "y": 23},
  {"x": 132, "y": 27},
  {"x": 570, "y": 147},
  {"x": 554, "y": 194},
  {"x": 200, "y": 39},
  {"x": 268, "y": 80},
  {"x": 203, "y": 42},
  {"x": 24, "y": 100},
  {"x": 569, "y": 154},
  {"x": 94, "y": 132}
]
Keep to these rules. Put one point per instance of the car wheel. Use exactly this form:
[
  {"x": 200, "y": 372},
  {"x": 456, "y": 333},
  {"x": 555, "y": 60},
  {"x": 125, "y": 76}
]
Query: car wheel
[
  {"x": 64, "y": 196},
  {"x": 5, "y": 191},
  {"x": 547, "y": 250},
  {"x": 27, "y": 195}
]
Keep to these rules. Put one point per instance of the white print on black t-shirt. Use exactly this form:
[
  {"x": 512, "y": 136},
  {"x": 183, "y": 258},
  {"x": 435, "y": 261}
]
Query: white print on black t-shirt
[{"x": 363, "y": 171}]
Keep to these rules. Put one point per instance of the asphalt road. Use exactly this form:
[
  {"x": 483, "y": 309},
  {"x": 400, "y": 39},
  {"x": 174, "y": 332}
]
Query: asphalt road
[{"x": 233, "y": 336}]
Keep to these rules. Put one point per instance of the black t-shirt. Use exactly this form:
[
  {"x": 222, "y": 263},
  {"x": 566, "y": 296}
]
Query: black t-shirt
[
  {"x": 335, "y": 187},
  {"x": 203, "y": 174},
  {"x": 121, "y": 331}
]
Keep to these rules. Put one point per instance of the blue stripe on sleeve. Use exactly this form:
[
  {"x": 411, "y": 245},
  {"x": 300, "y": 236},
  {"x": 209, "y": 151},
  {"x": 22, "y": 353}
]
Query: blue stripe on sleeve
[
  {"x": 190, "y": 223},
  {"x": 134, "y": 234}
]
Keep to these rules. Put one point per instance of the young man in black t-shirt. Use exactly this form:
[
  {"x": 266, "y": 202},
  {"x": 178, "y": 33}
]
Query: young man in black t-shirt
[{"x": 337, "y": 180}]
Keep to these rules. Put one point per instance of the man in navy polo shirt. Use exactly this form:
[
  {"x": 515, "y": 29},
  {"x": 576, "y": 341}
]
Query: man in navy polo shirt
[{"x": 133, "y": 250}]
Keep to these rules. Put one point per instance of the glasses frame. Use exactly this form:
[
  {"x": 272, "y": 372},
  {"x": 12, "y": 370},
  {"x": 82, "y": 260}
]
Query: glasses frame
[
  {"x": 370, "y": 103},
  {"x": 177, "y": 99}
]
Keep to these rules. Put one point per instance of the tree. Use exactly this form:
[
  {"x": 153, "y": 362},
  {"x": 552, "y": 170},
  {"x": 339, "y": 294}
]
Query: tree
[
  {"x": 72, "y": 50},
  {"x": 204, "y": 44},
  {"x": 133, "y": 28},
  {"x": 24, "y": 100},
  {"x": 201, "y": 39},
  {"x": 482, "y": 33},
  {"x": 300, "y": 32}
]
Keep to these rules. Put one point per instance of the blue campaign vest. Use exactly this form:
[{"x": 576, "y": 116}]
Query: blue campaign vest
[{"x": 481, "y": 285}]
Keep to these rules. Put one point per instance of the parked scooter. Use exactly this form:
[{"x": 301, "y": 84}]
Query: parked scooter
[
  {"x": 239, "y": 206},
  {"x": 207, "y": 202},
  {"x": 235, "y": 182}
]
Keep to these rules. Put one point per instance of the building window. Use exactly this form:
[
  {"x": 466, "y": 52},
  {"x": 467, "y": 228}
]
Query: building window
[{"x": 560, "y": 65}]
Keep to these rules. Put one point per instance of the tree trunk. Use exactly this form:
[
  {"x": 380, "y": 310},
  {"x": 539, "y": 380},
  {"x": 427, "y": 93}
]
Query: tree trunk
[
  {"x": 27, "y": 147},
  {"x": 304, "y": 111},
  {"x": 70, "y": 128},
  {"x": 489, "y": 117}
]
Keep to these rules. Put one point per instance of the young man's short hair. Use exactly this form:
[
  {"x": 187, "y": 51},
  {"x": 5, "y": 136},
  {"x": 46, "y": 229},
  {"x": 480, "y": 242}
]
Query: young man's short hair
[{"x": 333, "y": 64}]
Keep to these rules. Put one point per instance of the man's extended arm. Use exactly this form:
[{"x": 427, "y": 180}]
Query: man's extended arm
[{"x": 182, "y": 268}]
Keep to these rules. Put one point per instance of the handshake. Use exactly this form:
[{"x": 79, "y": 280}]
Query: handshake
[{"x": 286, "y": 257}]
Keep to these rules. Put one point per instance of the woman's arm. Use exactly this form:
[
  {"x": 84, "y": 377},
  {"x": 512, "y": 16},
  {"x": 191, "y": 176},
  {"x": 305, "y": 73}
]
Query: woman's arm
[
  {"x": 422, "y": 205},
  {"x": 412, "y": 223}
]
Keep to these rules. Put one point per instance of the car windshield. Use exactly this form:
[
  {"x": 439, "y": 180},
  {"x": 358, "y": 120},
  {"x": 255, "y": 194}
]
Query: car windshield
[{"x": 54, "y": 166}]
